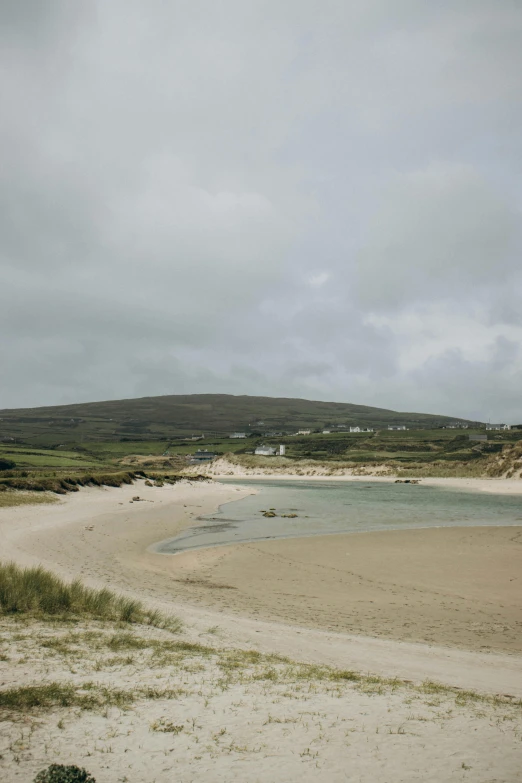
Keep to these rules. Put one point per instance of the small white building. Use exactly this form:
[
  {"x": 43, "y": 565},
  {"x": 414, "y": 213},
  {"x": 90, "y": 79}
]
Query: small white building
[
  {"x": 361, "y": 429},
  {"x": 327, "y": 432},
  {"x": 304, "y": 432},
  {"x": 498, "y": 426},
  {"x": 265, "y": 451},
  {"x": 282, "y": 450},
  {"x": 238, "y": 435},
  {"x": 400, "y": 427},
  {"x": 355, "y": 429}
]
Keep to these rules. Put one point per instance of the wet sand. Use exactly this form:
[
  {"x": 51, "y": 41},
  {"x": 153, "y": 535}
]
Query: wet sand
[{"x": 447, "y": 586}]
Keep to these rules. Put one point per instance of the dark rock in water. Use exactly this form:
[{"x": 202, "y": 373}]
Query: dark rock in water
[{"x": 269, "y": 514}]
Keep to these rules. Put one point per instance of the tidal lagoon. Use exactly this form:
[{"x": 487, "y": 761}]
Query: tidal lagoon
[{"x": 328, "y": 507}]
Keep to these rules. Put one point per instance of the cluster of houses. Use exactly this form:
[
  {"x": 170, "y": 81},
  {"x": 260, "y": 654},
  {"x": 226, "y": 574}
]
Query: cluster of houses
[
  {"x": 264, "y": 450},
  {"x": 369, "y": 429},
  {"x": 460, "y": 425}
]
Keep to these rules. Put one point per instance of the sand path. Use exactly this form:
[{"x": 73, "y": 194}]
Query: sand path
[{"x": 114, "y": 553}]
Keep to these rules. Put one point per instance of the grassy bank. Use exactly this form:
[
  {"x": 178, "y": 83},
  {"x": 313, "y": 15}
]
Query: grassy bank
[{"x": 61, "y": 484}]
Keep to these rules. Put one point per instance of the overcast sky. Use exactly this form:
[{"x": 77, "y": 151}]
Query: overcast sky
[{"x": 313, "y": 198}]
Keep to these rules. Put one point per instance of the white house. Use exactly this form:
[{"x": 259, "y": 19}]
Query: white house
[
  {"x": 327, "y": 432},
  {"x": 361, "y": 429},
  {"x": 498, "y": 426},
  {"x": 400, "y": 427},
  {"x": 355, "y": 429},
  {"x": 238, "y": 435},
  {"x": 304, "y": 432},
  {"x": 266, "y": 451},
  {"x": 270, "y": 451}
]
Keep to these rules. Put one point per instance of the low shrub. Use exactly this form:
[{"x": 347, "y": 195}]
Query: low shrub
[{"x": 58, "y": 773}]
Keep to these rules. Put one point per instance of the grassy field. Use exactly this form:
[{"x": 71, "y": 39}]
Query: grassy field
[
  {"x": 50, "y": 458},
  {"x": 428, "y": 452}
]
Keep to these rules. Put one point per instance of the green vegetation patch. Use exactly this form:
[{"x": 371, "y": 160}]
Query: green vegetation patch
[
  {"x": 56, "y": 694},
  {"x": 15, "y": 498},
  {"x": 61, "y": 484},
  {"x": 40, "y": 593},
  {"x": 59, "y": 773},
  {"x": 89, "y": 696}
]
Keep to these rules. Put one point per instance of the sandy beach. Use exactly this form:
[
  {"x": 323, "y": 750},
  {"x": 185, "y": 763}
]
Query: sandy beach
[
  {"x": 448, "y": 597},
  {"x": 439, "y": 605}
]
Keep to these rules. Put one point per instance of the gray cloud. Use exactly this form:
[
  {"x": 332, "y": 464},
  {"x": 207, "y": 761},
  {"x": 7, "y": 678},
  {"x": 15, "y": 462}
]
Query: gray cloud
[{"x": 304, "y": 199}]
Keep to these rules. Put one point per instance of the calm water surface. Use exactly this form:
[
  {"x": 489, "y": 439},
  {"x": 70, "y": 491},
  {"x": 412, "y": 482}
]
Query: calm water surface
[{"x": 325, "y": 507}]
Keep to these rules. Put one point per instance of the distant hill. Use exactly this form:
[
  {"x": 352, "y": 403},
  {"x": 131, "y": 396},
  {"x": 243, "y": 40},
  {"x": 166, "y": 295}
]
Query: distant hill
[{"x": 150, "y": 418}]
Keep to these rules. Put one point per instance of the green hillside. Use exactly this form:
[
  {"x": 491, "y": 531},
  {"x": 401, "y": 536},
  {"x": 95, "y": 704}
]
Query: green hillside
[{"x": 158, "y": 418}]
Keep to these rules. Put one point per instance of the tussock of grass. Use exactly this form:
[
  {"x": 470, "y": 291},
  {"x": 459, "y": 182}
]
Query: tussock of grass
[
  {"x": 55, "y": 694},
  {"x": 37, "y": 592},
  {"x": 88, "y": 697}
]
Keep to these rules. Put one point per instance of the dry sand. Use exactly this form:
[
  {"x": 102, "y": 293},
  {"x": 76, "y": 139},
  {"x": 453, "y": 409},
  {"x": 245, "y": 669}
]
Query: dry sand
[
  {"x": 445, "y": 587},
  {"x": 230, "y": 719}
]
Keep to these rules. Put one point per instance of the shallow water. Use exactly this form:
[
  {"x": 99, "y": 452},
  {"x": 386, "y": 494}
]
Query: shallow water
[{"x": 327, "y": 507}]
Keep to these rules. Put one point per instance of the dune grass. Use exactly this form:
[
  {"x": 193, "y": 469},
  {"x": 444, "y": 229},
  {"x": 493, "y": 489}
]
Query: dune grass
[
  {"x": 89, "y": 697},
  {"x": 39, "y": 593},
  {"x": 56, "y": 694},
  {"x": 12, "y": 498}
]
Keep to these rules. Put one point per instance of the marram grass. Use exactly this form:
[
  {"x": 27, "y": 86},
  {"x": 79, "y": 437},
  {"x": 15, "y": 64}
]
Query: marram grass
[
  {"x": 40, "y": 593},
  {"x": 16, "y": 498}
]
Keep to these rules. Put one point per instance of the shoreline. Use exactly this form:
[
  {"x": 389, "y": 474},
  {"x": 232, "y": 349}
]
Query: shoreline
[
  {"x": 500, "y": 486},
  {"x": 154, "y": 548},
  {"x": 114, "y": 554}
]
